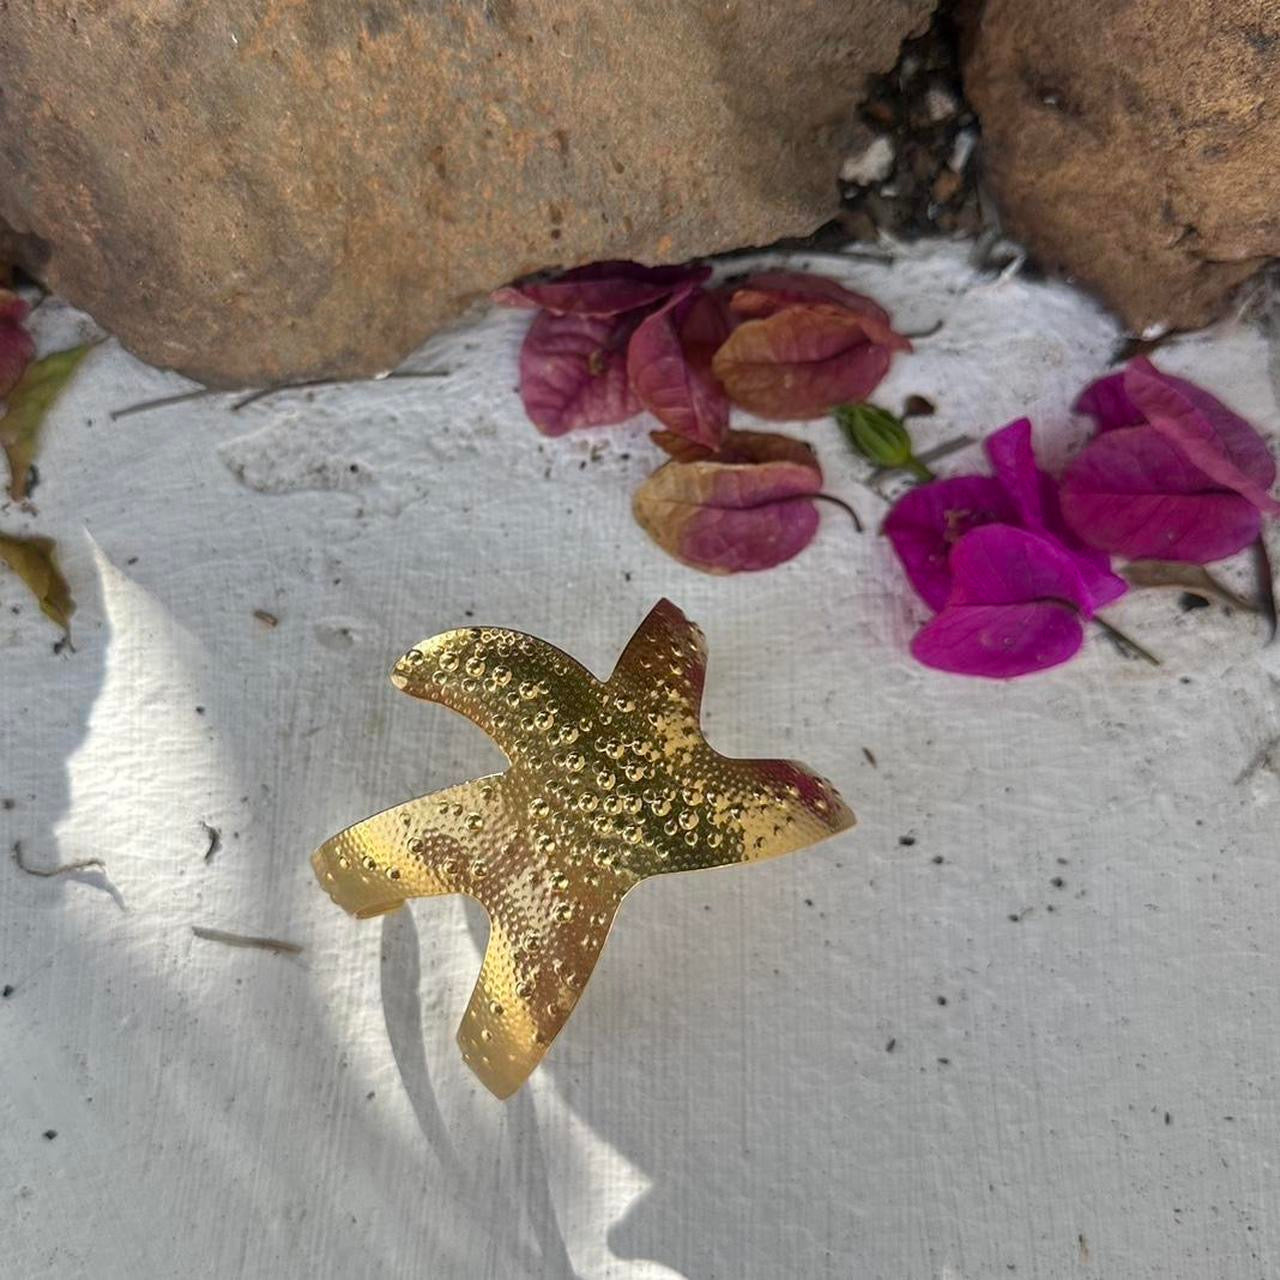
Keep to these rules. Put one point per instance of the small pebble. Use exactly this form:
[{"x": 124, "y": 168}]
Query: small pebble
[{"x": 874, "y": 165}]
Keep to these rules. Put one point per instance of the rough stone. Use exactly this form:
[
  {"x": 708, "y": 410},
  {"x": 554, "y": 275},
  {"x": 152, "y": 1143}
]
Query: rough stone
[
  {"x": 260, "y": 190},
  {"x": 1133, "y": 144}
]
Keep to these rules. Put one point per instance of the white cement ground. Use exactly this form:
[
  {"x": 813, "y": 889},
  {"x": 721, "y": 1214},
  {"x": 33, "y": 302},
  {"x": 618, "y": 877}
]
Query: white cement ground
[{"x": 1097, "y": 1098}]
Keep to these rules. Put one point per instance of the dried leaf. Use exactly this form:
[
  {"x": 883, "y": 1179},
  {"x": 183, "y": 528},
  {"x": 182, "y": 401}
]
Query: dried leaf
[
  {"x": 770, "y": 291},
  {"x": 1184, "y": 577},
  {"x": 669, "y": 364},
  {"x": 748, "y": 508},
  {"x": 28, "y": 403},
  {"x": 680, "y": 447},
  {"x": 34, "y": 560},
  {"x": 800, "y": 361},
  {"x": 602, "y": 288},
  {"x": 16, "y": 345},
  {"x": 573, "y": 371}
]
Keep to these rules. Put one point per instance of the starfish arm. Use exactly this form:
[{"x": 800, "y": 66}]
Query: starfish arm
[
  {"x": 667, "y": 654},
  {"x": 533, "y": 972},
  {"x": 731, "y": 811},
  {"x": 787, "y": 807},
  {"x": 514, "y": 686},
  {"x": 431, "y": 845}
]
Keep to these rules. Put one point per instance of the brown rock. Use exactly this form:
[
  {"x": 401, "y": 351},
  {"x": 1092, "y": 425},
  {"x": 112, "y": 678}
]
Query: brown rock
[
  {"x": 260, "y": 190},
  {"x": 1134, "y": 144}
]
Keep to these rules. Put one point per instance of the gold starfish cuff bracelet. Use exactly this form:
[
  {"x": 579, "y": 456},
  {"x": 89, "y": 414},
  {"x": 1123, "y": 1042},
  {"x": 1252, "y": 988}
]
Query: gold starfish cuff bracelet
[{"x": 609, "y": 783}]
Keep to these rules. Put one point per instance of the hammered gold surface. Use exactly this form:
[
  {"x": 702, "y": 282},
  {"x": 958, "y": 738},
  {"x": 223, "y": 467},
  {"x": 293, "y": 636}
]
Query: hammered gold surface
[{"x": 609, "y": 783}]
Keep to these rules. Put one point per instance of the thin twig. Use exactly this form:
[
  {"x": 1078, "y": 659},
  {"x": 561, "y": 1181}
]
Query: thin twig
[
  {"x": 254, "y": 396},
  {"x": 924, "y": 333},
  {"x": 66, "y": 868},
  {"x": 262, "y": 392},
  {"x": 944, "y": 449},
  {"x": 843, "y": 505},
  {"x": 215, "y": 839},
  {"x": 144, "y": 406},
  {"x": 277, "y": 945},
  {"x": 1127, "y": 646},
  {"x": 1261, "y": 758},
  {"x": 1266, "y": 580}
]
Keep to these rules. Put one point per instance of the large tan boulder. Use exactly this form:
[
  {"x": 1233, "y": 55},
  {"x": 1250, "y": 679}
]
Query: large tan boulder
[
  {"x": 259, "y": 190},
  {"x": 1135, "y": 144}
]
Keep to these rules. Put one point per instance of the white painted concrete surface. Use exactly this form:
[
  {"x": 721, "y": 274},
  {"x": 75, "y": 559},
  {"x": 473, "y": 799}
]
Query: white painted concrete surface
[{"x": 1097, "y": 1098}]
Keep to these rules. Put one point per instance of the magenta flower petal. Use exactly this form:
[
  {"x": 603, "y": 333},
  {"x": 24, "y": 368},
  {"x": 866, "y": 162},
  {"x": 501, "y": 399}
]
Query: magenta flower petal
[
  {"x": 926, "y": 522},
  {"x": 1015, "y": 607},
  {"x": 1108, "y": 404},
  {"x": 1001, "y": 564},
  {"x": 1094, "y": 566},
  {"x": 1010, "y": 453},
  {"x": 573, "y": 372},
  {"x": 669, "y": 364},
  {"x": 1035, "y": 498},
  {"x": 1221, "y": 443},
  {"x": 999, "y": 641},
  {"x": 1134, "y": 493},
  {"x": 602, "y": 288}
]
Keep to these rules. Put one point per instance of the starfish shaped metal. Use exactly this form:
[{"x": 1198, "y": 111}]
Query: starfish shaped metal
[{"x": 610, "y": 782}]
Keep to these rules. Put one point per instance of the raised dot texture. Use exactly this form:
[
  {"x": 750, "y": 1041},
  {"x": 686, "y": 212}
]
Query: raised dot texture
[{"x": 601, "y": 793}]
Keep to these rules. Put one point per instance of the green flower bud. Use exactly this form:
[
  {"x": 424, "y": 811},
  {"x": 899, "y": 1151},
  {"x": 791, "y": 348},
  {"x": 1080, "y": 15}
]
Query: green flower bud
[
  {"x": 876, "y": 434},
  {"x": 880, "y": 437}
]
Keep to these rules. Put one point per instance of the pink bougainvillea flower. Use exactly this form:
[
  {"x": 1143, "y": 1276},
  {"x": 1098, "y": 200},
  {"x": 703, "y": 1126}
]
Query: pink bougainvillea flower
[
  {"x": 16, "y": 346},
  {"x": 800, "y": 360},
  {"x": 1015, "y": 607},
  {"x": 1035, "y": 497},
  {"x": 750, "y": 507},
  {"x": 669, "y": 364},
  {"x": 769, "y": 291},
  {"x": 573, "y": 371},
  {"x": 927, "y": 522},
  {"x": 602, "y": 288},
  {"x": 1173, "y": 473}
]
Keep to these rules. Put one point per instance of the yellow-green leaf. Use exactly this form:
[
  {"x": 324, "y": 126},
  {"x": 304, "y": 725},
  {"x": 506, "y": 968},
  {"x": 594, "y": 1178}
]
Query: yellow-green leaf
[
  {"x": 35, "y": 561},
  {"x": 28, "y": 403}
]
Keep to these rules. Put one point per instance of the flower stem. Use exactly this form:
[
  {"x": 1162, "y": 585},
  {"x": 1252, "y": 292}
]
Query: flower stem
[
  {"x": 1125, "y": 644},
  {"x": 918, "y": 469},
  {"x": 843, "y": 505}
]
